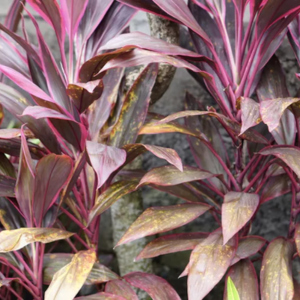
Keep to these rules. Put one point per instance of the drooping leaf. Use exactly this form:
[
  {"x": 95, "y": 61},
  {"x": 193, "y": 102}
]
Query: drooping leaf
[
  {"x": 247, "y": 247},
  {"x": 232, "y": 293},
  {"x": 67, "y": 282},
  {"x": 170, "y": 155},
  {"x": 161, "y": 219},
  {"x": 53, "y": 262},
  {"x": 135, "y": 107},
  {"x": 209, "y": 256},
  {"x": 170, "y": 175},
  {"x": 16, "y": 239},
  {"x": 276, "y": 271},
  {"x": 104, "y": 159},
  {"x": 244, "y": 278},
  {"x": 172, "y": 243},
  {"x": 250, "y": 114},
  {"x": 110, "y": 196},
  {"x": 157, "y": 287},
  {"x": 237, "y": 209},
  {"x": 84, "y": 94},
  {"x": 290, "y": 155},
  {"x": 101, "y": 296},
  {"x": 122, "y": 288},
  {"x": 51, "y": 174}
]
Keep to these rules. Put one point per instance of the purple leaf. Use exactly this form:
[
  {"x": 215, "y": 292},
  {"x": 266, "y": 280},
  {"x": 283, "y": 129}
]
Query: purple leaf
[
  {"x": 290, "y": 155},
  {"x": 172, "y": 243},
  {"x": 170, "y": 175},
  {"x": 105, "y": 160},
  {"x": 209, "y": 256},
  {"x": 156, "y": 287},
  {"x": 276, "y": 280},
  {"x": 101, "y": 296},
  {"x": 122, "y": 288},
  {"x": 52, "y": 173},
  {"x": 161, "y": 219},
  {"x": 244, "y": 278},
  {"x": 237, "y": 210},
  {"x": 250, "y": 114},
  {"x": 7, "y": 186},
  {"x": 294, "y": 37},
  {"x": 25, "y": 182},
  {"x": 14, "y": 14},
  {"x": 134, "y": 109},
  {"x": 170, "y": 155},
  {"x": 72, "y": 12}
]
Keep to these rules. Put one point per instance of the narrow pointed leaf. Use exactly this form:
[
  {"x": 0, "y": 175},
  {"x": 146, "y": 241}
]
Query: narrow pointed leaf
[
  {"x": 51, "y": 174},
  {"x": 276, "y": 271},
  {"x": 110, "y": 196},
  {"x": 101, "y": 296},
  {"x": 250, "y": 114},
  {"x": 7, "y": 186},
  {"x": 161, "y": 219},
  {"x": 6, "y": 167},
  {"x": 290, "y": 155},
  {"x": 237, "y": 210},
  {"x": 272, "y": 110},
  {"x": 122, "y": 288},
  {"x": 170, "y": 175},
  {"x": 135, "y": 107},
  {"x": 244, "y": 278},
  {"x": 10, "y": 217},
  {"x": 232, "y": 293},
  {"x": 172, "y": 243},
  {"x": 297, "y": 238},
  {"x": 16, "y": 239},
  {"x": 157, "y": 287},
  {"x": 209, "y": 256},
  {"x": 67, "y": 282},
  {"x": 170, "y": 155}
]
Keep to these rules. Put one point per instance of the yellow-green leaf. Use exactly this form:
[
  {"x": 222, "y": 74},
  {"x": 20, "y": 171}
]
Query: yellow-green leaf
[
  {"x": 232, "y": 293},
  {"x": 11, "y": 240},
  {"x": 67, "y": 282}
]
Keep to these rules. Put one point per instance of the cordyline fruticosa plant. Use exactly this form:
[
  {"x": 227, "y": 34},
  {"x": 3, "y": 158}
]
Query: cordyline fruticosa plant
[{"x": 87, "y": 127}]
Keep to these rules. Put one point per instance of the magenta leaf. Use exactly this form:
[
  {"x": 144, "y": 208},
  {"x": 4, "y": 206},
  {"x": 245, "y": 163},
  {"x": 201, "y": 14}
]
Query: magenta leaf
[
  {"x": 172, "y": 243},
  {"x": 237, "y": 210},
  {"x": 276, "y": 280},
  {"x": 161, "y": 219},
  {"x": 250, "y": 114},
  {"x": 156, "y": 287},
  {"x": 52, "y": 173},
  {"x": 105, "y": 160},
  {"x": 209, "y": 256},
  {"x": 101, "y": 296},
  {"x": 294, "y": 37},
  {"x": 244, "y": 278},
  {"x": 122, "y": 288}
]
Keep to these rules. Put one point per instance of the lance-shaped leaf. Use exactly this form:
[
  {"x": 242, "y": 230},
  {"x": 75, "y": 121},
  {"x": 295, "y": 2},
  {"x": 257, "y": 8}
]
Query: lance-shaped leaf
[
  {"x": 209, "y": 256},
  {"x": 161, "y": 219},
  {"x": 172, "y": 243},
  {"x": 6, "y": 167},
  {"x": 67, "y": 282},
  {"x": 135, "y": 107},
  {"x": 143, "y": 41},
  {"x": 16, "y": 239},
  {"x": 10, "y": 217},
  {"x": 72, "y": 12},
  {"x": 105, "y": 160},
  {"x": 232, "y": 293},
  {"x": 275, "y": 187},
  {"x": 290, "y": 155},
  {"x": 244, "y": 277},
  {"x": 170, "y": 175},
  {"x": 250, "y": 114},
  {"x": 276, "y": 281},
  {"x": 84, "y": 94},
  {"x": 170, "y": 155},
  {"x": 25, "y": 181},
  {"x": 297, "y": 238},
  {"x": 272, "y": 110},
  {"x": 294, "y": 37},
  {"x": 7, "y": 186},
  {"x": 247, "y": 247},
  {"x": 237, "y": 209},
  {"x": 51, "y": 174},
  {"x": 53, "y": 262},
  {"x": 110, "y": 196},
  {"x": 101, "y": 296},
  {"x": 122, "y": 288},
  {"x": 157, "y": 287}
]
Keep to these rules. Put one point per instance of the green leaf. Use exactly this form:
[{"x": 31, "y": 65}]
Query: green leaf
[{"x": 232, "y": 293}]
